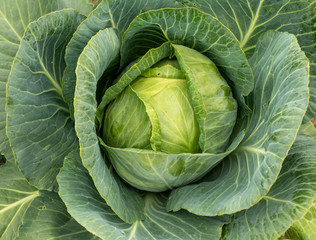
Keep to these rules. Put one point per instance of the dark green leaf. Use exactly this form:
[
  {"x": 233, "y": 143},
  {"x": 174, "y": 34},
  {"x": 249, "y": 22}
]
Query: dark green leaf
[
  {"x": 305, "y": 228},
  {"x": 38, "y": 121},
  {"x": 287, "y": 201},
  {"x": 248, "y": 19},
  {"x": 16, "y": 195},
  {"x": 114, "y": 14},
  {"x": 15, "y": 16},
  {"x": 47, "y": 218}
]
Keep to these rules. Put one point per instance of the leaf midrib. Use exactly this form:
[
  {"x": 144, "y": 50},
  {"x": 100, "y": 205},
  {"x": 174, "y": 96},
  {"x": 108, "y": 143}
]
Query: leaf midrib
[
  {"x": 252, "y": 26},
  {"x": 133, "y": 232},
  {"x": 20, "y": 202},
  {"x": 50, "y": 77}
]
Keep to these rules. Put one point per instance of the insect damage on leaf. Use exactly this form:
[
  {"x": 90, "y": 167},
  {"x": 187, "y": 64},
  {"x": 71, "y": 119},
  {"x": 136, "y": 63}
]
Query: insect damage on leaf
[{"x": 2, "y": 160}]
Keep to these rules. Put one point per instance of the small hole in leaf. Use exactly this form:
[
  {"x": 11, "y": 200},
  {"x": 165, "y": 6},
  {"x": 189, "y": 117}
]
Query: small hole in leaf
[
  {"x": 43, "y": 207},
  {"x": 2, "y": 160}
]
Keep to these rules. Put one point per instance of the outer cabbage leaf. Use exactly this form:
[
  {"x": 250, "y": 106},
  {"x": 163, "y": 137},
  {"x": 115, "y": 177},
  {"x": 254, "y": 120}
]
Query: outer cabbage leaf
[
  {"x": 16, "y": 195},
  {"x": 27, "y": 213},
  {"x": 108, "y": 14},
  {"x": 47, "y": 218},
  {"x": 101, "y": 51},
  {"x": 305, "y": 228},
  {"x": 82, "y": 6},
  {"x": 279, "y": 101},
  {"x": 194, "y": 29},
  {"x": 89, "y": 209},
  {"x": 15, "y": 16},
  {"x": 248, "y": 19},
  {"x": 38, "y": 123},
  {"x": 287, "y": 201}
]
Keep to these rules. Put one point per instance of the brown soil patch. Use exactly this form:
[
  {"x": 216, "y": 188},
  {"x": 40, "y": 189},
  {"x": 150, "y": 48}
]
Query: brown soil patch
[{"x": 314, "y": 122}]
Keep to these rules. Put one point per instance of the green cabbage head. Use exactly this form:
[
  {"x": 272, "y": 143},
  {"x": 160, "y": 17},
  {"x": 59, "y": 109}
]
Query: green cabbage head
[{"x": 178, "y": 105}]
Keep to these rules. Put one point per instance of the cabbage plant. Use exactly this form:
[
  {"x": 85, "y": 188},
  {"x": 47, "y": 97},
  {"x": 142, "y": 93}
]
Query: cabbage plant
[{"x": 157, "y": 120}]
